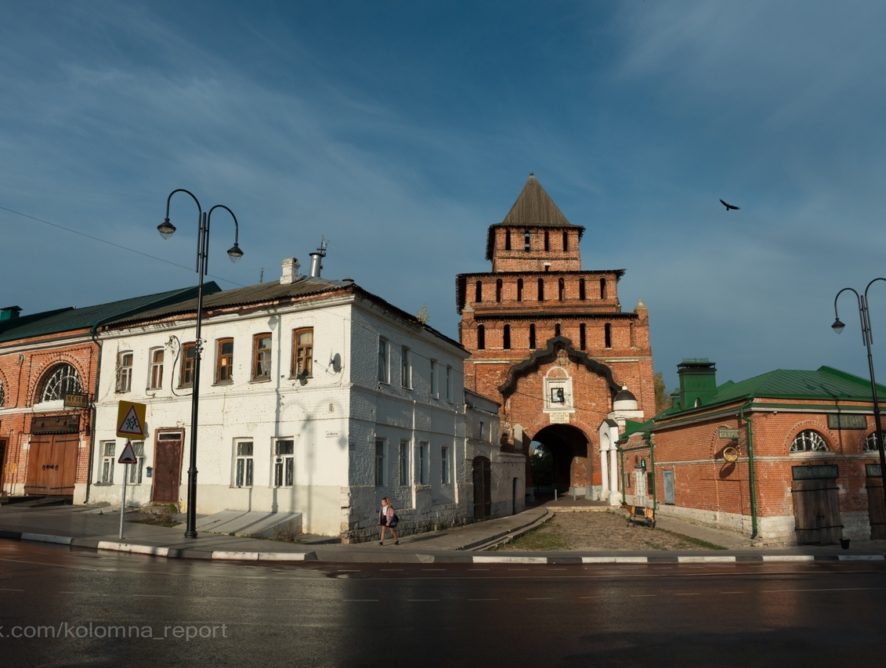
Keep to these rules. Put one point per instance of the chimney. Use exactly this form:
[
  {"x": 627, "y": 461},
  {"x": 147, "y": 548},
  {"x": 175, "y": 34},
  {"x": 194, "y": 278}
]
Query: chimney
[
  {"x": 9, "y": 312},
  {"x": 317, "y": 259},
  {"x": 698, "y": 382},
  {"x": 290, "y": 271}
]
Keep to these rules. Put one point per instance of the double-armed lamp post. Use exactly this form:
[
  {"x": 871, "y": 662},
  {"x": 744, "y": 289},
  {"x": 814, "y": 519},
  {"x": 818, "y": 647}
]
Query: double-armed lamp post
[
  {"x": 868, "y": 340},
  {"x": 167, "y": 229}
]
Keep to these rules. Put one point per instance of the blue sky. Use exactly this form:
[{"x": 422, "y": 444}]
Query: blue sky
[{"x": 401, "y": 130}]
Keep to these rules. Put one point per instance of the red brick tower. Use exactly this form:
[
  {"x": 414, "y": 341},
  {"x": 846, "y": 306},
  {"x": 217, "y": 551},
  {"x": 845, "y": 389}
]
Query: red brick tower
[{"x": 551, "y": 343}]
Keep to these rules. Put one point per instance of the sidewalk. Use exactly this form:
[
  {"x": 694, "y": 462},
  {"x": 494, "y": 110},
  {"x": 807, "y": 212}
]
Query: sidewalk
[{"x": 81, "y": 527}]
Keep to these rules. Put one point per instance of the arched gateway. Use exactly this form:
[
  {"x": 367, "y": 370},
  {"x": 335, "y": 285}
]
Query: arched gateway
[{"x": 551, "y": 344}]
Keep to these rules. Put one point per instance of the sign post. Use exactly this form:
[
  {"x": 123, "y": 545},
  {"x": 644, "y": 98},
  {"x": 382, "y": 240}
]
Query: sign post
[{"x": 130, "y": 422}]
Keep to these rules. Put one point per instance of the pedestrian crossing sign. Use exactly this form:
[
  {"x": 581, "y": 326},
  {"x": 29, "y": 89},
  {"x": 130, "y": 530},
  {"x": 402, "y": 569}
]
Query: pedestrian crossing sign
[{"x": 130, "y": 419}]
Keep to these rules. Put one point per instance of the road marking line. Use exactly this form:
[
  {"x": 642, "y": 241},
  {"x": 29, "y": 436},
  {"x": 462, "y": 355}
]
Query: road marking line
[
  {"x": 615, "y": 560},
  {"x": 688, "y": 559},
  {"x": 482, "y": 559}
]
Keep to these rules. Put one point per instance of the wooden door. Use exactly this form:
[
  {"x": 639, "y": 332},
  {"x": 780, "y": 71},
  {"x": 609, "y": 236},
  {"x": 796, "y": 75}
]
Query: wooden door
[
  {"x": 876, "y": 509},
  {"x": 817, "y": 511},
  {"x": 52, "y": 464},
  {"x": 168, "y": 452}
]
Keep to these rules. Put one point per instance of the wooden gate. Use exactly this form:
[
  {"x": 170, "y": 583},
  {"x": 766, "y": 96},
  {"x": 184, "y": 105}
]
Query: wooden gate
[
  {"x": 482, "y": 475},
  {"x": 816, "y": 505},
  {"x": 876, "y": 509},
  {"x": 52, "y": 464},
  {"x": 168, "y": 452}
]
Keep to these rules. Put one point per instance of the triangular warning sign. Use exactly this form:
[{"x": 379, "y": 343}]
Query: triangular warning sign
[
  {"x": 128, "y": 455},
  {"x": 130, "y": 424}
]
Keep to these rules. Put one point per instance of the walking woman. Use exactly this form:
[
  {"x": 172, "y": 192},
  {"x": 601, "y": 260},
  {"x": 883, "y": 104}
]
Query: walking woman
[{"x": 387, "y": 519}]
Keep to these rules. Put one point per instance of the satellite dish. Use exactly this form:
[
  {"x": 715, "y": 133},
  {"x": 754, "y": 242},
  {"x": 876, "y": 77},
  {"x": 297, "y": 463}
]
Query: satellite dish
[{"x": 730, "y": 453}]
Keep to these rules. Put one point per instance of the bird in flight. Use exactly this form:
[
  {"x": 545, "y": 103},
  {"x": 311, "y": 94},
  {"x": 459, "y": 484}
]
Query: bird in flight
[{"x": 728, "y": 205}]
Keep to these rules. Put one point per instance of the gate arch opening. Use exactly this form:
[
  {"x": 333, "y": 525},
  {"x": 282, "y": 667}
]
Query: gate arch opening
[{"x": 559, "y": 462}]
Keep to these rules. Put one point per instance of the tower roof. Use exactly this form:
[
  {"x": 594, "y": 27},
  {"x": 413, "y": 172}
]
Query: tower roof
[{"x": 535, "y": 208}]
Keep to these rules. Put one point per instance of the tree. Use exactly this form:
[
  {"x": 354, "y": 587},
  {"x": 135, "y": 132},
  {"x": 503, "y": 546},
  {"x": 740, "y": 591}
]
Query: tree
[{"x": 662, "y": 398}]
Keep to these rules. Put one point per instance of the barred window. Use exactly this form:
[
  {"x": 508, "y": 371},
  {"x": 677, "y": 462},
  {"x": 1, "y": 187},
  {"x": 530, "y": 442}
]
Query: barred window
[{"x": 809, "y": 441}]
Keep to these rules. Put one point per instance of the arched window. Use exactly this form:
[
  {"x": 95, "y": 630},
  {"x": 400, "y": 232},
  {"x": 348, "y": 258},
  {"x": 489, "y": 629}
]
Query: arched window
[
  {"x": 547, "y": 240},
  {"x": 60, "y": 380},
  {"x": 519, "y": 289},
  {"x": 607, "y": 335},
  {"x": 602, "y": 288},
  {"x": 478, "y": 291},
  {"x": 526, "y": 240},
  {"x": 506, "y": 337},
  {"x": 507, "y": 240},
  {"x": 481, "y": 337},
  {"x": 498, "y": 290},
  {"x": 565, "y": 240},
  {"x": 581, "y": 289},
  {"x": 809, "y": 441},
  {"x": 870, "y": 443},
  {"x": 541, "y": 289},
  {"x": 582, "y": 336},
  {"x": 2, "y": 393},
  {"x": 532, "y": 335},
  {"x": 561, "y": 289}
]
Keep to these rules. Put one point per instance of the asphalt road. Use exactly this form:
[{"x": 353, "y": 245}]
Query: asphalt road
[{"x": 70, "y": 607}]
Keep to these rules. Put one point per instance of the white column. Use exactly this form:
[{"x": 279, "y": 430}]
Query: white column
[
  {"x": 615, "y": 495},
  {"x": 604, "y": 465}
]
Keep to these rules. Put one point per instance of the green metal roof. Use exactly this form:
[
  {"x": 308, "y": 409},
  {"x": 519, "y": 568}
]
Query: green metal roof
[
  {"x": 825, "y": 384},
  {"x": 72, "y": 318}
]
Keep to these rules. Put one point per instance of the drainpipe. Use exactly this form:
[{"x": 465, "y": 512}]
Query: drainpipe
[
  {"x": 652, "y": 468},
  {"x": 621, "y": 455},
  {"x": 751, "y": 474}
]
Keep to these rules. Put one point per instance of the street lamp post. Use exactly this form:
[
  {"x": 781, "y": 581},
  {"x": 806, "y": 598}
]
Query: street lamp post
[
  {"x": 868, "y": 340},
  {"x": 167, "y": 229}
]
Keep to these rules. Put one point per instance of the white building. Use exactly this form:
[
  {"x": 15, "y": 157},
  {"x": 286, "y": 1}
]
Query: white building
[{"x": 316, "y": 397}]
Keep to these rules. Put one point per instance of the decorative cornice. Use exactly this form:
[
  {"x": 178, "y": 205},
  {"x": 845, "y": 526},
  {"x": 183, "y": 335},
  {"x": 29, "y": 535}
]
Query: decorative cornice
[{"x": 549, "y": 354}]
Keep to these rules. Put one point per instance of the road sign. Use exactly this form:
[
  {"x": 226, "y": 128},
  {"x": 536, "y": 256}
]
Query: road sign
[
  {"x": 130, "y": 419},
  {"x": 128, "y": 455}
]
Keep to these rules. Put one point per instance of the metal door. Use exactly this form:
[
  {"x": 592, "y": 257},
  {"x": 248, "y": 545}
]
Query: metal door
[{"x": 168, "y": 452}]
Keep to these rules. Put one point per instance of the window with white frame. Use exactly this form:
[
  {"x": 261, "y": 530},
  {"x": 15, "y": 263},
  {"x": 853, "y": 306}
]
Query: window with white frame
[
  {"x": 243, "y": 464},
  {"x": 155, "y": 375},
  {"x": 379, "y": 462},
  {"x": 137, "y": 470},
  {"x": 384, "y": 349},
  {"x": 261, "y": 356},
  {"x": 405, "y": 367},
  {"x": 809, "y": 440},
  {"x": 404, "y": 462},
  {"x": 107, "y": 472},
  {"x": 124, "y": 371},
  {"x": 424, "y": 463},
  {"x": 445, "y": 465},
  {"x": 284, "y": 463}
]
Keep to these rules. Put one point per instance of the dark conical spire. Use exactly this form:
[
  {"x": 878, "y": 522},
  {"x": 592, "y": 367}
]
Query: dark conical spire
[{"x": 535, "y": 208}]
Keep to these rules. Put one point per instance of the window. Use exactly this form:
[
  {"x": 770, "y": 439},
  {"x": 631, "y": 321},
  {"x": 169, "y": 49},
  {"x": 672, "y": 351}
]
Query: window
[
  {"x": 302, "y": 352},
  {"x": 124, "y": 371},
  {"x": 445, "y": 476},
  {"x": 526, "y": 240},
  {"x": 507, "y": 240},
  {"x": 379, "y": 462},
  {"x": 433, "y": 378},
  {"x": 498, "y": 290},
  {"x": 532, "y": 335},
  {"x": 565, "y": 240},
  {"x": 383, "y": 354},
  {"x": 284, "y": 463},
  {"x": 809, "y": 441},
  {"x": 547, "y": 240},
  {"x": 541, "y": 289},
  {"x": 582, "y": 336},
  {"x": 558, "y": 395},
  {"x": 405, "y": 368},
  {"x": 557, "y": 329},
  {"x": 189, "y": 356},
  {"x": 136, "y": 470},
  {"x": 870, "y": 443},
  {"x": 481, "y": 337},
  {"x": 602, "y": 288},
  {"x": 480, "y": 426},
  {"x": 423, "y": 463},
  {"x": 478, "y": 291},
  {"x": 224, "y": 360},
  {"x": 243, "y": 464},
  {"x": 404, "y": 462},
  {"x": 506, "y": 337},
  {"x": 582, "y": 294},
  {"x": 519, "y": 289},
  {"x": 155, "y": 379},
  {"x": 448, "y": 383},
  {"x": 61, "y": 379},
  {"x": 107, "y": 474},
  {"x": 607, "y": 335},
  {"x": 2, "y": 393},
  {"x": 561, "y": 289},
  {"x": 261, "y": 357}
]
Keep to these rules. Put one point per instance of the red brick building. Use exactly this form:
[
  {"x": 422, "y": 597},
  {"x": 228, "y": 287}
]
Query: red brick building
[
  {"x": 551, "y": 343},
  {"x": 48, "y": 375},
  {"x": 788, "y": 456}
]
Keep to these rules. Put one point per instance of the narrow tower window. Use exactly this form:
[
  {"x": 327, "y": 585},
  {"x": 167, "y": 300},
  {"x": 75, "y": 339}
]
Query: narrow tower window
[
  {"x": 582, "y": 336},
  {"x": 507, "y": 240},
  {"x": 565, "y": 240},
  {"x": 547, "y": 240},
  {"x": 498, "y": 290},
  {"x": 557, "y": 329},
  {"x": 541, "y": 289},
  {"x": 506, "y": 337},
  {"x": 532, "y": 336},
  {"x": 519, "y": 289},
  {"x": 561, "y": 289},
  {"x": 481, "y": 337},
  {"x": 526, "y": 240},
  {"x": 607, "y": 335},
  {"x": 602, "y": 288},
  {"x": 478, "y": 291},
  {"x": 581, "y": 289}
]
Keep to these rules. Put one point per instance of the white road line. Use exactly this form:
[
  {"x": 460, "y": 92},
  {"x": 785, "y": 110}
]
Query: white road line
[
  {"x": 483, "y": 559},
  {"x": 689, "y": 559},
  {"x": 615, "y": 560}
]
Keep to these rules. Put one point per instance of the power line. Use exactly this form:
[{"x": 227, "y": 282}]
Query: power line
[{"x": 110, "y": 243}]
